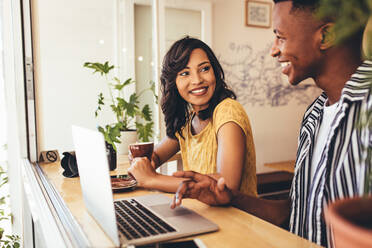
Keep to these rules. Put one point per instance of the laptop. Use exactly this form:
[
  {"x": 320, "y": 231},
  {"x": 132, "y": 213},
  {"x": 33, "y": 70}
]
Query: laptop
[{"x": 129, "y": 221}]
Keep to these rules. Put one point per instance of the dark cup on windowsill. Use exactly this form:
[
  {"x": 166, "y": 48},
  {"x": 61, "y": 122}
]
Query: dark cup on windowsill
[{"x": 143, "y": 149}]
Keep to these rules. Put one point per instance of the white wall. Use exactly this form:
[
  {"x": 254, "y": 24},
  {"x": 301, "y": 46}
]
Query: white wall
[
  {"x": 256, "y": 78},
  {"x": 67, "y": 34},
  {"x": 178, "y": 24}
]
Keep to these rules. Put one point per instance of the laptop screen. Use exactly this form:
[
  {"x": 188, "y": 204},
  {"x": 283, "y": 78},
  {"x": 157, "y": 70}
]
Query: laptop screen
[{"x": 95, "y": 178}]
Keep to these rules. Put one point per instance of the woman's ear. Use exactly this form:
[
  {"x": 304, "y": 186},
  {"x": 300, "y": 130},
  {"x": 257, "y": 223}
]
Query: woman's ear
[{"x": 327, "y": 36}]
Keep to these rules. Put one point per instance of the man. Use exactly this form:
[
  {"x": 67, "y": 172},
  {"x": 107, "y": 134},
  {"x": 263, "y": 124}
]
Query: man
[{"x": 332, "y": 159}]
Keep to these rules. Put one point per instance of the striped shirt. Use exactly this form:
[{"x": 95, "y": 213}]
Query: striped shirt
[{"x": 343, "y": 164}]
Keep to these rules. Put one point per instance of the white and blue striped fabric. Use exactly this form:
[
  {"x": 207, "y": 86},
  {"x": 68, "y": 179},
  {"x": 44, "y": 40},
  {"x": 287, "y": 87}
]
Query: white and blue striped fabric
[{"x": 344, "y": 162}]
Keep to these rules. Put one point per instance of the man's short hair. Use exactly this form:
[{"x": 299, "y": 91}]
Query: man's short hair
[{"x": 311, "y": 5}]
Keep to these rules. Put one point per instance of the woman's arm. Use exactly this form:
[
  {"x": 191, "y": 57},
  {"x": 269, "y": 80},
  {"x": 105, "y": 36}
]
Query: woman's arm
[
  {"x": 230, "y": 154},
  {"x": 148, "y": 178},
  {"x": 164, "y": 151}
]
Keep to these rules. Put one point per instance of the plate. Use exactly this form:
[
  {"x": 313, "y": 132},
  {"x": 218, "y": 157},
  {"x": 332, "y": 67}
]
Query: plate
[{"x": 123, "y": 182}]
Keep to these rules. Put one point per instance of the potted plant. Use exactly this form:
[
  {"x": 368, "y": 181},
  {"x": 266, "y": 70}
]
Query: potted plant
[
  {"x": 350, "y": 219},
  {"x": 130, "y": 118}
]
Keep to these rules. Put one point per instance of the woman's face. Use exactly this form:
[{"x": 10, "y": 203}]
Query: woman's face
[{"x": 196, "y": 82}]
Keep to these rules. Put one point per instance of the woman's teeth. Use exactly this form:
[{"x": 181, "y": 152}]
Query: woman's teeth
[{"x": 198, "y": 90}]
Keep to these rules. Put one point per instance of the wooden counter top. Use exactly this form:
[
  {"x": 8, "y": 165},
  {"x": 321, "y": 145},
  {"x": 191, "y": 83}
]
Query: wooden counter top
[
  {"x": 282, "y": 166},
  {"x": 237, "y": 228}
]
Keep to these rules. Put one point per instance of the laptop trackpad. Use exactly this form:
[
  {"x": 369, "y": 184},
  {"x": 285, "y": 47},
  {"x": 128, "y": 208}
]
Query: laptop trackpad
[{"x": 165, "y": 211}]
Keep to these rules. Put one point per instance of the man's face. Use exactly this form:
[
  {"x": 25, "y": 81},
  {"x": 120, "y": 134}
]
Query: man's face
[{"x": 297, "y": 41}]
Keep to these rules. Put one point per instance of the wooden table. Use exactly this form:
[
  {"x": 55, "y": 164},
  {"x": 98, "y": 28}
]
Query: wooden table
[
  {"x": 237, "y": 228},
  {"x": 282, "y": 166}
]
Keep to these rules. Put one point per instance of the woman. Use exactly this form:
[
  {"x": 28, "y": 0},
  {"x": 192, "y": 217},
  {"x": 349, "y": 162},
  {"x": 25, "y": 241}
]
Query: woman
[{"x": 203, "y": 119}]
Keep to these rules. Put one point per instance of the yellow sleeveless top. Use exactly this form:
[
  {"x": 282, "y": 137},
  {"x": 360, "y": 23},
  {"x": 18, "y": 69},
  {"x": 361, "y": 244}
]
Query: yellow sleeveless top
[{"x": 199, "y": 152}]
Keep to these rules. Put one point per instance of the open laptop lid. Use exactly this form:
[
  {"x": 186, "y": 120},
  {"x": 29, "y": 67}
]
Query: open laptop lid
[{"x": 95, "y": 178}]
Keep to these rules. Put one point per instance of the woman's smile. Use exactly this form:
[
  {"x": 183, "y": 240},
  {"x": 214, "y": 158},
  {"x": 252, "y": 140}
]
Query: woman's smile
[{"x": 199, "y": 91}]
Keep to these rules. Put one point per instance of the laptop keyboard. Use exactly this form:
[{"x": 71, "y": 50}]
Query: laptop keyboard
[{"x": 135, "y": 221}]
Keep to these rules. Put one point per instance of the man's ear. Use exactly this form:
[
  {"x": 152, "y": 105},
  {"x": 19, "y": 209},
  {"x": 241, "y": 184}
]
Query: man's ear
[{"x": 327, "y": 36}]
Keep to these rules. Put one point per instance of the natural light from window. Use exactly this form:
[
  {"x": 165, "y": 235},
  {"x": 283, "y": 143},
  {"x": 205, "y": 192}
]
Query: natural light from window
[{"x": 4, "y": 190}]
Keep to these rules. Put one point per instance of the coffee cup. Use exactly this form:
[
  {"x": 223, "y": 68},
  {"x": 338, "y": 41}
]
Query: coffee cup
[{"x": 143, "y": 149}]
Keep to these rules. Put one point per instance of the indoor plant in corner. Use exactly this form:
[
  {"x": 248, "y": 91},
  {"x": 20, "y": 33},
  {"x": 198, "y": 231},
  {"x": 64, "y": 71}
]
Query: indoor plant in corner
[
  {"x": 130, "y": 118},
  {"x": 350, "y": 219}
]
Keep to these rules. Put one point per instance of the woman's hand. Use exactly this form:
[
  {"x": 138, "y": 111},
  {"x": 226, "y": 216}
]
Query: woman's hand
[
  {"x": 130, "y": 156},
  {"x": 154, "y": 159},
  {"x": 155, "y": 162},
  {"x": 142, "y": 170}
]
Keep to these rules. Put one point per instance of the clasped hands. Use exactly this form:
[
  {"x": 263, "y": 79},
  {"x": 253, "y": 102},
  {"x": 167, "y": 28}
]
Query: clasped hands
[
  {"x": 203, "y": 188},
  {"x": 198, "y": 186}
]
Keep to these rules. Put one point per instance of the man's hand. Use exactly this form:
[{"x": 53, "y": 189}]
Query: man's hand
[
  {"x": 201, "y": 187},
  {"x": 212, "y": 192}
]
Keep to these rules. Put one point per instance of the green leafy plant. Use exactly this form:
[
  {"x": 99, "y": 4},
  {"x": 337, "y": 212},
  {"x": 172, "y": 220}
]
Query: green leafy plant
[
  {"x": 350, "y": 16},
  {"x": 129, "y": 115},
  {"x": 11, "y": 241},
  {"x": 6, "y": 241}
]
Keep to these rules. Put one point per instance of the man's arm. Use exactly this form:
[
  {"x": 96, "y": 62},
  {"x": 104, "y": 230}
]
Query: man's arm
[
  {"x": 273, "y": 211},
  {"x": 212, "y": 192}
]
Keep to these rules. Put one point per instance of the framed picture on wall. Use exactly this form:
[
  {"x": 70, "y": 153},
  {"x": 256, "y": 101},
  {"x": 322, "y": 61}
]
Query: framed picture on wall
[{"x": 258, "y": 13}]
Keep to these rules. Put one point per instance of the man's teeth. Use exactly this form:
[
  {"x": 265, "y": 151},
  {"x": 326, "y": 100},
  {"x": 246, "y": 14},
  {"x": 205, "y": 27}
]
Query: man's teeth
[
  {"x": 284, "y": 64},
  {"x": 199, "y": 90}
]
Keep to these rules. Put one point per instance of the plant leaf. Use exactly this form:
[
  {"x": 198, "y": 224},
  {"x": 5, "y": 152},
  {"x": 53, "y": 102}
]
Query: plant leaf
[
  {"x": 98, "y": 67},
  {"x": 132, "y": 107},
  {"x": 144, "y": 131},
  {"x": 128, "y": 82},
  {"x": 146, "y": 112},
  {"x": 120, "y": 86},
  {"x": 111, "y": 133},
  {"x": 116, "y": 79},
  {"x": 152, "y": 88},
  {"x": 5, "y": 180},
  {"x": 133, "y": 99},
  {"x": 100, "y": 103}
]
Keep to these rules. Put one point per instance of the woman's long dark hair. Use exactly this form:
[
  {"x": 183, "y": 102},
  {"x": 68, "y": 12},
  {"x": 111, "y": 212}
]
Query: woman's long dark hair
[{"x": 175, "y": 108}]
